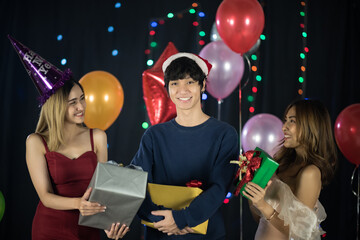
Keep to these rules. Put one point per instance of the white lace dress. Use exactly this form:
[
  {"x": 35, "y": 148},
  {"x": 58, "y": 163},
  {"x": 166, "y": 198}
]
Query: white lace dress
[{"x": 303, "y": 222}]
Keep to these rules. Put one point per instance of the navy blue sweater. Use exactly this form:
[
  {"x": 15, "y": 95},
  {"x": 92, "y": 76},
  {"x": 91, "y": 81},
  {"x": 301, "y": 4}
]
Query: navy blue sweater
[{"x": 174, "y": 155}]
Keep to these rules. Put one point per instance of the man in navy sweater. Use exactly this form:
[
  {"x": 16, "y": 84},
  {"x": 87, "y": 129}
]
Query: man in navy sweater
[{"x": 192, "y": 146}]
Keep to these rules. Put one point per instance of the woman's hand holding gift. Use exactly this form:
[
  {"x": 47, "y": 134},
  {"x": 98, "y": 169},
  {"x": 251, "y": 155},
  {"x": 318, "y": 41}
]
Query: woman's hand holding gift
[
  {"x": 256, "y": 194},
  {"x": 88, "y": 208}
]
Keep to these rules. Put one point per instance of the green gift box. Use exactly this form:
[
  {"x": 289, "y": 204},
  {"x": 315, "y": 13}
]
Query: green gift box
[{"x": 264, "y": 173}]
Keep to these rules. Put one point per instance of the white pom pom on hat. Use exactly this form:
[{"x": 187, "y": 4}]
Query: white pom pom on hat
[{"x": 201, "y": 62}]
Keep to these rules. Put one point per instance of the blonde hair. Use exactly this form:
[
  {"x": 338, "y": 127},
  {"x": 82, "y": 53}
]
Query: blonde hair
[
  {"x": 52, "y": 116},
  {"x": 314, "y": 134}
]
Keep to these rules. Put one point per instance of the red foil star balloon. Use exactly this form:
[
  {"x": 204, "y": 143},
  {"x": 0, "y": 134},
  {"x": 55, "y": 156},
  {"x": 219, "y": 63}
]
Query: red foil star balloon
[{"x": 159, "y": 106}]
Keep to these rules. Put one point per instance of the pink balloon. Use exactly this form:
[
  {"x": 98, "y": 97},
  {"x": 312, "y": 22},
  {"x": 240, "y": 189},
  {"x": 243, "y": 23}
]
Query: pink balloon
[
  {"x": 264, "y": 131},
  {"x": 227, "y": 69}
]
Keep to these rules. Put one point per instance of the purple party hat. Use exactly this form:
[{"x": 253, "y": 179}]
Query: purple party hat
[{"x": 46, "y": 77}]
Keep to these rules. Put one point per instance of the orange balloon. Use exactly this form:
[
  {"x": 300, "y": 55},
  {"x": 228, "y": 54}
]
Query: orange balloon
[{"x": 104, "y": 98}]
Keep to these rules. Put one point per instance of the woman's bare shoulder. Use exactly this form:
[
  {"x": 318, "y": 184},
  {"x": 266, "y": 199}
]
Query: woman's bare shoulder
[
  {"x": 310, "y": 171},
  {"x": 99, "y": 135},
  {"x": 34, "y": 142},
  {"x": 309, "y": 175},
  {"x": 98, "y": 132},
  {"x": 33, "y": 138}
]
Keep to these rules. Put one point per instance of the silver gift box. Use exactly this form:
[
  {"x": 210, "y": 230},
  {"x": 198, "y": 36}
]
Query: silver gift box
[{"x": 122, "y": 190}]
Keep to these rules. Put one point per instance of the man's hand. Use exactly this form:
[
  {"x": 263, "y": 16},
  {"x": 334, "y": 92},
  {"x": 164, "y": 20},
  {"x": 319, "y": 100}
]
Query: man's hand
[
  {"x": 116, "y": 232},
  {"x": 167, "y": 225},
  {"x": 184, "y": 231}
]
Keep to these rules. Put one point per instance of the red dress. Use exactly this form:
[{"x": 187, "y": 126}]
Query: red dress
[{"x": 69, "y": 178}]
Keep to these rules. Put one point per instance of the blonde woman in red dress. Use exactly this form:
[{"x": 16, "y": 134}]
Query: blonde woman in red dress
[{"x": 62, "y": 155}]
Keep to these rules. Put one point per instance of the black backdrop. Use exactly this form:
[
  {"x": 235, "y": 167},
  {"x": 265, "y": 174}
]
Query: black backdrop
[{"x": 332, "y": 77}]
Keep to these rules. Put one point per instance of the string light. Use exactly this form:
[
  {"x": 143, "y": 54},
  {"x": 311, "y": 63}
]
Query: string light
[
  {"x": 145, "y": 125},
  {"x": 255, "y": 77},
  {"x": 115, "y": 52},
  {"x": 59, "y": 37},
  {"x": 227, "y": 198},
  {"x": 304, "y": 48},
  {"x": 110, "y": 29},
  {"x": 193, "y": 10},
  {"x": 204, "y": 96},
  {"x": 63, "y": 61},
  {"x": 150, "y": 62}
]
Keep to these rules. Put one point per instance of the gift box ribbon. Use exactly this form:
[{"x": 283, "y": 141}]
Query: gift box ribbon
[
  {"x": 194, "y": 183},
  {"x": 248, "y": 163}
]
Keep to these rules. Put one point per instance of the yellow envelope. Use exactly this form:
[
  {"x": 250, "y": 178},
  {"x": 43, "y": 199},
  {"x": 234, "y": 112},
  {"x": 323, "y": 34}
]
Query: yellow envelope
[{"x": 176, "y": 198}]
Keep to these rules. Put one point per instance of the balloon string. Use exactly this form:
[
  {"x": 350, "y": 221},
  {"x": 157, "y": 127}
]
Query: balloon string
[
  {"x": 352, "y": 179},
  {"x": 219, "y": 109},
  {"x": 357, "y": 195},
  {"x": 249, "y": 71},
  {"x": 240, "y": 199},
  {"x": 240, "y": 130}
]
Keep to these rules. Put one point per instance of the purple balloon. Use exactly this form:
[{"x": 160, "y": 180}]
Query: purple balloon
[
  {"x": 264, "y": 131},
  {"x": 227, "y": 69}
]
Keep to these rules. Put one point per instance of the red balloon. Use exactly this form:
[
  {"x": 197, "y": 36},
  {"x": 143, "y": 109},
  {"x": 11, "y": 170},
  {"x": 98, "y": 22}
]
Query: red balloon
[
  {"x": 347, "y": 132},
  {"x": 240, "y": 23},
  {"x": 159, "y": 106}
]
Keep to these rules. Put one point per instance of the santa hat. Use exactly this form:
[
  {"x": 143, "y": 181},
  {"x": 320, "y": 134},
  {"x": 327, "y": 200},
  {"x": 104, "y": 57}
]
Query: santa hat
[
  {"x": 46, "y": 77},
  {"x": 201, "y": 62}
]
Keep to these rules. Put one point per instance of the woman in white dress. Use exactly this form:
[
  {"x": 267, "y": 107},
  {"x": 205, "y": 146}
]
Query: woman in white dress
[{"x": 288, "y": 208}]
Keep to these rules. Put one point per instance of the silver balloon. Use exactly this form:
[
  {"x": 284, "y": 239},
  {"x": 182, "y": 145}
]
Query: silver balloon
[
  {"x": 254, "y": 48},
  {"x": 214, "y": 35}
]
